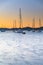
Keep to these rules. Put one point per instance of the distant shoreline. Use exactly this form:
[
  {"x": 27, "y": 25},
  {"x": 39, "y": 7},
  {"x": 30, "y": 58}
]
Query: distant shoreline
[{"x": 24, "y": 28}]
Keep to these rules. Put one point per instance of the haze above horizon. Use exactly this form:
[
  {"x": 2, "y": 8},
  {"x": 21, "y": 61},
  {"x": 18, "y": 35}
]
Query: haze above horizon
[{"x": 9, "y": 11}]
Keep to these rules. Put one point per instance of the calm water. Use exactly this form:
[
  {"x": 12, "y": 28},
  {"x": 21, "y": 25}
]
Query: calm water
[{"x": 19, "y": 49}]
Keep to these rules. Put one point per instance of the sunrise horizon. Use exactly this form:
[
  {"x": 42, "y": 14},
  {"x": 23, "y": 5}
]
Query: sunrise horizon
[{"x": 9, "y": 12}]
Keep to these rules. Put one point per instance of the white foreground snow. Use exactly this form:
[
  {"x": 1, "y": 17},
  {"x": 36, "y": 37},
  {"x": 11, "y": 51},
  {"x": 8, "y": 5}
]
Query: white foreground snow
[{"x": 19, "y": 49}]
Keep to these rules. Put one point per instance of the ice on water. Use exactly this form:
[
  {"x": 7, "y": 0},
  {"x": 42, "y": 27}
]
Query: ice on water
[{"x": 19, "y": 49}]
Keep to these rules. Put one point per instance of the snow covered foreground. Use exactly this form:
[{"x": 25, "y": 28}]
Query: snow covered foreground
[{"x": 19, "y": 49}]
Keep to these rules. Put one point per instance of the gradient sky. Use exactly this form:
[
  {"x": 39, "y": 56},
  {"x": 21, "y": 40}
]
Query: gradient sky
[{"x": 9, "y": 11}]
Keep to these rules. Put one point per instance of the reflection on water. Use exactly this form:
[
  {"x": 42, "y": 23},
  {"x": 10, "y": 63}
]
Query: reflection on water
[{"x": 19, "y": 49}]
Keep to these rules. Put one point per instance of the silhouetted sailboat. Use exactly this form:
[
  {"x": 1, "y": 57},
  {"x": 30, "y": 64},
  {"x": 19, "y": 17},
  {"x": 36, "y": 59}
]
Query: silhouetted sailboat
[
  {"x": 36, "y": 29},
  {"x": 14, "y": 26},
  {"x": 33, "y": 25},
  {"x": 39, "y": 25},
  {"x": 20, "y": 29}
]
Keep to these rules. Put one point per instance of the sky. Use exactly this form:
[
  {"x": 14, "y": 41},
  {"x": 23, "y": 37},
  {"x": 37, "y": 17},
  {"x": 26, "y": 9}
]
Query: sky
[{"x": 9, "y": 12}]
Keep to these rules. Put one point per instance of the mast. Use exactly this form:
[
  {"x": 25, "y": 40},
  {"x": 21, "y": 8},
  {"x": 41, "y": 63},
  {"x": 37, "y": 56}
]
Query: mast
[
  {"x": 33, "y": 24},
  {"x": 14, "y": 24},
  {"x": 20, "y": 16},
  {"x": 39, "y": 22}
]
